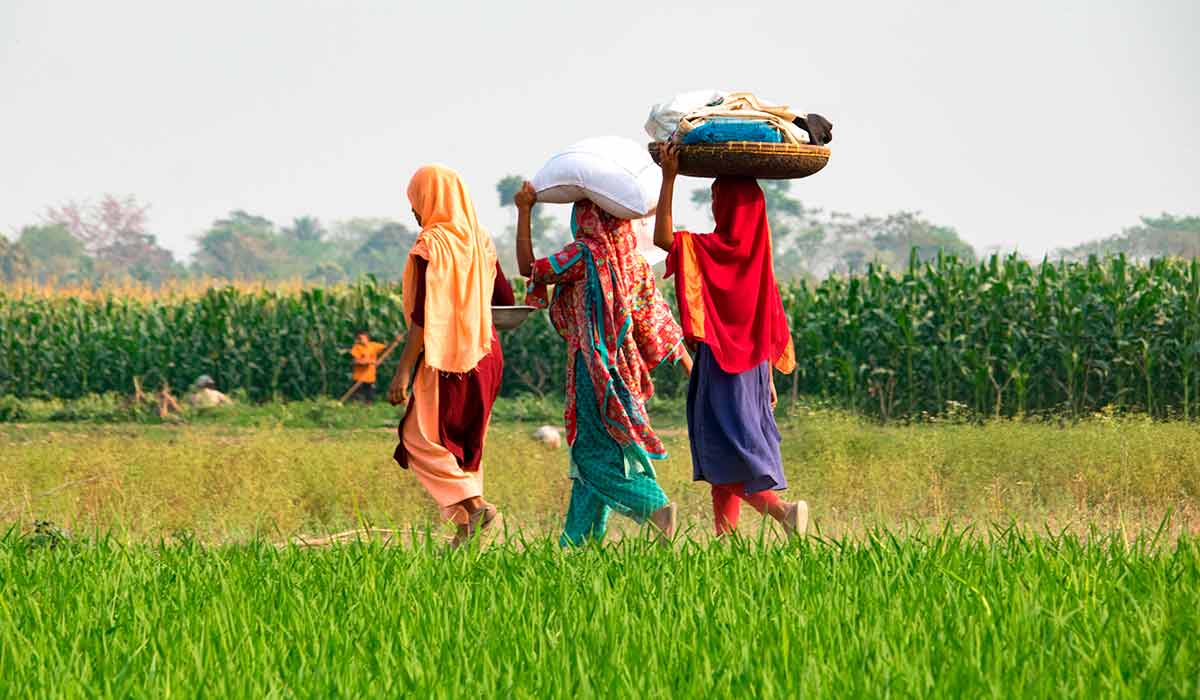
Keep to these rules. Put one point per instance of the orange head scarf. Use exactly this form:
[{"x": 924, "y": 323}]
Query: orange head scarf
[{"x": 460, "y": 275}]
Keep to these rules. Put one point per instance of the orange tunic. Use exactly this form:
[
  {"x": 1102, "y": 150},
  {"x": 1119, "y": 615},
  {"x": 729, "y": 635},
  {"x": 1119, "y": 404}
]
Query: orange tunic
[
  {"x": 367, "y": 353},
  {"x": 443, "y": 431}
]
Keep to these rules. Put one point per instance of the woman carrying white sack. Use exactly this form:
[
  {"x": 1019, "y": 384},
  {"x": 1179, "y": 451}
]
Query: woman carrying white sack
[{"x": 618, "y": 328}]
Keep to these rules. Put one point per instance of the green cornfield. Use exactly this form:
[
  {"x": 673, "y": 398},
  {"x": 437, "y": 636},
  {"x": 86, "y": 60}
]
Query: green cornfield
[
  {"x": 1001, "y": 338},
  {"x": 912, "y": 614}
]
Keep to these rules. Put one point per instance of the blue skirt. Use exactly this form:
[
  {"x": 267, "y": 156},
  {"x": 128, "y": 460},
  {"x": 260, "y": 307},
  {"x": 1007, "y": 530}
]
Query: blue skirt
[{"x": 732, "y": 427}]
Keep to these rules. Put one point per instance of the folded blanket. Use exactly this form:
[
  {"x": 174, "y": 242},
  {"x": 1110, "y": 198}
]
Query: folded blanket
[
  {"x": 722, "y": 130},
  {"x": 744, "y": 105}
]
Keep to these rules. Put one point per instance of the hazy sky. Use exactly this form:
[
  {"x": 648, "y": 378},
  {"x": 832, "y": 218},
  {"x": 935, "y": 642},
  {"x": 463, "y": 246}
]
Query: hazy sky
[{"x": 1031, "y": 123}]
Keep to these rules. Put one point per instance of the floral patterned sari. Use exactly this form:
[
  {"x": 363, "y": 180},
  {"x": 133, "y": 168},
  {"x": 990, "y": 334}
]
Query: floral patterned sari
[{"x": 608, "y": 309}]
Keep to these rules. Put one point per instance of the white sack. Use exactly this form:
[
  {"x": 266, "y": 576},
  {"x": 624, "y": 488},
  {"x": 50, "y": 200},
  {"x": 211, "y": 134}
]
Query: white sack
[{"x": 615, "y": 173}]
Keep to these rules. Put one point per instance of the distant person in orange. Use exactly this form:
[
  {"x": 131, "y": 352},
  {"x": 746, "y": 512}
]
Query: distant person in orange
[{"x": 364, "y": 359}]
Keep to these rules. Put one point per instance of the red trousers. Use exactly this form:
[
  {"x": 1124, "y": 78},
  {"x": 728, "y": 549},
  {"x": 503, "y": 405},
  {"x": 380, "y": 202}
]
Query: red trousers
[{"x": 727, "y": 503}]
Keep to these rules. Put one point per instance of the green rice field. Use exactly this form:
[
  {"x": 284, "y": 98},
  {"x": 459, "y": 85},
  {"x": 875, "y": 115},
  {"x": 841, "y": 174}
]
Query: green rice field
[
  {"x": 907, "y": 614},
  {"x": 952, "y": 558}
]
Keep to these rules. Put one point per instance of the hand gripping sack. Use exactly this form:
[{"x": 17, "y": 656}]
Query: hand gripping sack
[{"x": 615, "y": 173}]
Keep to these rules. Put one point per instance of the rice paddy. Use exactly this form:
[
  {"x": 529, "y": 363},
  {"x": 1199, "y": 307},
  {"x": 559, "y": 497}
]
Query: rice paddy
[
  {"x": 1003, "y": 559},
  {"x": 944, "y": 614}
]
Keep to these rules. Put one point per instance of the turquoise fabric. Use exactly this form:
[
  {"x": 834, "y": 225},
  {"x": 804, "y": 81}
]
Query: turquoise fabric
[
  {"x": 603, "y": 477},
  {"x": 616, "y": 383},
  {"x": 722, "y": 130}
]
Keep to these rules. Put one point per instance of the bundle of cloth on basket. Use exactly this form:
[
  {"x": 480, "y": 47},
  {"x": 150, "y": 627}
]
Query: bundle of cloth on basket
[{"x": 708, "y": 116}]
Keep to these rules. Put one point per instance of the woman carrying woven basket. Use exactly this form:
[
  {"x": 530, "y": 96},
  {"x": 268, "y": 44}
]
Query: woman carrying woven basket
[
  {"x": 452, "y": 357},
  {"x": 618, "y": 328},
  {"x": 733, "y": 318}
]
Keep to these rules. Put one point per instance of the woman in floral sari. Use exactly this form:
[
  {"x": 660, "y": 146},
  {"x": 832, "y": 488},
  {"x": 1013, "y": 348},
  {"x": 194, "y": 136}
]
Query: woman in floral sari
[{"x": 617, "y": 328}]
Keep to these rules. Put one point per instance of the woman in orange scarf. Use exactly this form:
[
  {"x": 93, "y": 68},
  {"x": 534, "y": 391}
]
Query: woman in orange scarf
[{"x": 452, "y": 357}]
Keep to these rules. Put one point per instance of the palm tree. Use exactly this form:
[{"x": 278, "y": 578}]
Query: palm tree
[{"x": 305, "y": 229}]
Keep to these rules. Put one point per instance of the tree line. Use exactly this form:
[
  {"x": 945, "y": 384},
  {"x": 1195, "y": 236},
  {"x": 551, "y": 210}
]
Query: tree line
[
  {"x": 108, "y": 240},
  {"x": 86, "y": 243}
]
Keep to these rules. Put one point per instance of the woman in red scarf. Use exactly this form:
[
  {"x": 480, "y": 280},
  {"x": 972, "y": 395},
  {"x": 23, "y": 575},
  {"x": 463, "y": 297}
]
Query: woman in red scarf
[{"x": 731, "y": 313}]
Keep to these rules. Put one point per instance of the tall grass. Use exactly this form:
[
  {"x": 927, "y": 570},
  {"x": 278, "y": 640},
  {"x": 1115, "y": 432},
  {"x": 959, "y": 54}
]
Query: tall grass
[
  {"x": 906, "y": 614},
  {"x": 269, "y": 343},
  {"x": 1000, "y": 338},
  {"x": 277, "y": 471}
]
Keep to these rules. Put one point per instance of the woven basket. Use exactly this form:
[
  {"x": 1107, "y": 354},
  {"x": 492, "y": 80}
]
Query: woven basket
[{"x": 766, "y": 161}]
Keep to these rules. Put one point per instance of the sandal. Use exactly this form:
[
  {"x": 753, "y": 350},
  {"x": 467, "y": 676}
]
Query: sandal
[
  {"x": 795, "y": 521},
  {"x": 485, "y": 522}
]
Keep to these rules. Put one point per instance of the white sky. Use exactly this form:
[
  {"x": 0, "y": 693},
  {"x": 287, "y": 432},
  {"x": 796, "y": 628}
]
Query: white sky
[{"x": 1035, "y": 124}]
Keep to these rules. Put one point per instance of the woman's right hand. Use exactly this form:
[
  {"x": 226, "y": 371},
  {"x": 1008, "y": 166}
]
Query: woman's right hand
[
  {"x": 686, "y": 360},
  {"x": 398, "y": 389},
  {"x": 668, "y": 159},
  {"x": 525, "y": 197}
]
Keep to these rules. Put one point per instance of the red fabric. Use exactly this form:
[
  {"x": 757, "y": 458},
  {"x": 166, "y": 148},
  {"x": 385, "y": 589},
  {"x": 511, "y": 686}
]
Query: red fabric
[
  {"x": 464, "y": 400},
  {"x": 727, "y": 504},
  {"x": 744, "y": 321},
  {"x": 502, "y": 292},
  {"x": 464, "y": 409},
  {"x": 465, "y": 406}
]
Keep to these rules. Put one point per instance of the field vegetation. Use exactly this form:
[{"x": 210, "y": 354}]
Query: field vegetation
[
  {"x": 942, "y": 614},
  {"x": 949, "y": 558},
  {"x": 309, "y": 468},
  {"x": 1001, "y": 460},
  {"x": 1001, "y": 338}
]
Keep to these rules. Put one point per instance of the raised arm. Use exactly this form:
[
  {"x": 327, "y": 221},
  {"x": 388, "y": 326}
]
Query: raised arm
[
  {"x": 525, "y": 198},
  {"x": 664, "y": 225}
]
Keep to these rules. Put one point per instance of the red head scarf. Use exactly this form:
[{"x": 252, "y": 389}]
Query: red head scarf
[{"x": 725, "y": 283}]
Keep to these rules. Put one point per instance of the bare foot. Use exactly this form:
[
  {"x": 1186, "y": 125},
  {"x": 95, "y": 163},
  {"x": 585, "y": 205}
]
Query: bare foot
[{"x": 665, "y": 519}]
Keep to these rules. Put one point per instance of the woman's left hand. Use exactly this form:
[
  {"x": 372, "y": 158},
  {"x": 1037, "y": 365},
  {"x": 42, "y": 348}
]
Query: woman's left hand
[
  {"x": 774, "y": 394},
  {"x": 686, "y": 360}
]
